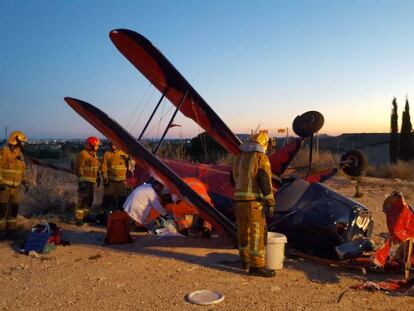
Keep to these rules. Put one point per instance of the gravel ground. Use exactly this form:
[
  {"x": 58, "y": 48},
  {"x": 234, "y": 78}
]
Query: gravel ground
[{"x": 156, "y": 274}]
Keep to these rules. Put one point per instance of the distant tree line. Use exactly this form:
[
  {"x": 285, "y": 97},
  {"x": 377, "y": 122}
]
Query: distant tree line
[{"x": 401, "y": 144}]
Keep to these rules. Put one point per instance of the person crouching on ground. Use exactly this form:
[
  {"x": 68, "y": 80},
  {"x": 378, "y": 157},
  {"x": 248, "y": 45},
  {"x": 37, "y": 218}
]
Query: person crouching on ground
[
  {"x": 144, "y": 203},
  {"x": 253, "y": 191},
  {"x": 184, "y": 212}
]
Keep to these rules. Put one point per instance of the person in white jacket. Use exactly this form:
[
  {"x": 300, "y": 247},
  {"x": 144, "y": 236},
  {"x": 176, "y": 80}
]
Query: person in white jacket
[{"x": 139, "y": 203}]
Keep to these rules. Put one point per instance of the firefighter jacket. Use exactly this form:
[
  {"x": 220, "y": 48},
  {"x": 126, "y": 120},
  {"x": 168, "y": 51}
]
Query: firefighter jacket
[
  {"x": 115, "y": 165},
  {"x": 12, "y": 166},
  {"x": 87, "y": 166},
  {"x": 252, "y": 175}
]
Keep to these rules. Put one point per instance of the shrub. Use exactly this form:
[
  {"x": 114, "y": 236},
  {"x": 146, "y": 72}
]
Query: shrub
[
  {"x": 400, "y": 169},
  {"x": 51, "y": 191},
  {"x": 325, "y": 160}
]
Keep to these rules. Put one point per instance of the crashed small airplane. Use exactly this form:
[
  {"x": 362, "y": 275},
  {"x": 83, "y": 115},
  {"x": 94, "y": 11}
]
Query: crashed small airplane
[{"x": 313, "y": 217}]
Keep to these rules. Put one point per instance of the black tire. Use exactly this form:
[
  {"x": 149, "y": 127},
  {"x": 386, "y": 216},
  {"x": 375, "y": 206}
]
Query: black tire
[
  {"x": 308, "y": 123},
  {"x": 354, "y": 163}
]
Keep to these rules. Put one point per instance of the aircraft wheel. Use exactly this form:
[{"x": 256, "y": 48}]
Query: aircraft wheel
[
  {"x": 308, "y": 123},
  {"x": 353, "y": 163}
]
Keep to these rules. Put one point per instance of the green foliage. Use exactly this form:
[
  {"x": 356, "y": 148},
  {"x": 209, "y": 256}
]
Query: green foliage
[
  {"x": 205, "y": 149},
  {"x": 42, "y": 153},
  {"x": 406, "y": 153},
  {"x": 394, "y": 138}
]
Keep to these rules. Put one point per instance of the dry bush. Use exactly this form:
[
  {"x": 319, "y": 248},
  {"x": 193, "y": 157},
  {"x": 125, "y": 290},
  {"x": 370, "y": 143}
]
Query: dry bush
[
  {"x": 50, "y": 191},
  {"x": 300, "y": 162},
  {"x": 226, "y": 159},
  {"x": 173, "y": 151},
  {"x": 324, "y": 160},
  {"x": 401, "y": 169}
]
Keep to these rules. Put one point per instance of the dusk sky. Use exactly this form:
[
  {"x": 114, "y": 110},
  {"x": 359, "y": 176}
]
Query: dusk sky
[{"x": 254, "y": 62}]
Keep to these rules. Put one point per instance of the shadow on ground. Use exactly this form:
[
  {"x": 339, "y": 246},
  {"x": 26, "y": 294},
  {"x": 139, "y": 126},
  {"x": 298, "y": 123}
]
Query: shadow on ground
[{"x": 199, "y": 251}]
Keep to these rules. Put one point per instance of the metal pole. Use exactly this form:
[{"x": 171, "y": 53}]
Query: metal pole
[
  {"x": 152, "y": 115},
  {"x": 310, "y": 155},
  {"x": 317, "y": 146},
  {"x": 169, "y": 123},
  {"x": 287, "y": 135}
]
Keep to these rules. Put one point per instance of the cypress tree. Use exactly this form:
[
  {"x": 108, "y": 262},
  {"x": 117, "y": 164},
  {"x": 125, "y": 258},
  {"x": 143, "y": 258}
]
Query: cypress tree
[
  {"x": 406, "y": 135},
  {"x": 394, "y": 132}
]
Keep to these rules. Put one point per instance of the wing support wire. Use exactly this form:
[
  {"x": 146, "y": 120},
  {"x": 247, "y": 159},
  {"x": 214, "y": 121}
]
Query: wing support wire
[
  {"x": 152, "y": 114},
  {"x": 171, "y": 121}
]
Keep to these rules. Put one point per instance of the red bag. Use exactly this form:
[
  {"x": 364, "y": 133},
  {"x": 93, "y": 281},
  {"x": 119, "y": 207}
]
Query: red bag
[{"x": 117, "y": 228}]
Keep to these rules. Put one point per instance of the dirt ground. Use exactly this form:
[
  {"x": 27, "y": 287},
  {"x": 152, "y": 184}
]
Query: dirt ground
[{"x": 156, "y": 273}]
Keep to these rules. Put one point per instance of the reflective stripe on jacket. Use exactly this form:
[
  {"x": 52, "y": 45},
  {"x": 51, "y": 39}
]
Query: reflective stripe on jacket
[
  {"x": 252, "y": 176},
  {"x": 114, "y": 165},
  {"x": 87, "y": 166},
  {"x": 12, "y": 166}
]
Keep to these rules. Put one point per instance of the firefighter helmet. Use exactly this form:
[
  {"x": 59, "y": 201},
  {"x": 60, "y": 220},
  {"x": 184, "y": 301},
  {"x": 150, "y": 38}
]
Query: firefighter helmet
[
  {"x": 261, "y": 138},
  {"x": 16, "y": 137},
  {"x": 92, "y": 142}
]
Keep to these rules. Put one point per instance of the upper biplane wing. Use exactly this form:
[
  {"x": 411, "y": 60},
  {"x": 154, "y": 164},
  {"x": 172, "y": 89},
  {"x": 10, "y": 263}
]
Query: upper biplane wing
[
  {"x": 163, "y": 75},
  {"x": 116, "y": 133},
  {"x": 169, "y": 81}
]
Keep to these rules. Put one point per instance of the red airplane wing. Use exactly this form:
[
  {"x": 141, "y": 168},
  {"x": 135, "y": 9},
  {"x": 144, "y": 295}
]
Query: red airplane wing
[
  {"x": 163, "y": 75},
  {"x": 116, "y": 133},
  {"x": 280, "y": 159},
  {"x": 216, "y": 177},
  {"x": 322, "y": 176}
]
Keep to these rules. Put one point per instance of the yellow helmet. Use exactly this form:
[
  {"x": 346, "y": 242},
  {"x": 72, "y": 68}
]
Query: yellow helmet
[
  {"x": 261, "y": 138},
  {"x": 16, "y": 137}
]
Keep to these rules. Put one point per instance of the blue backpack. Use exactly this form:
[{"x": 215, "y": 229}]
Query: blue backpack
[{"x": 42, "y": 239}]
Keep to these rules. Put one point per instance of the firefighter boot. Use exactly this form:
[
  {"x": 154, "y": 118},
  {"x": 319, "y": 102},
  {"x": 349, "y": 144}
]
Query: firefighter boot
[
  {"x": 79, "y": 216},
  {"x": 11, "y": 222},
  {"x": 263, "y": 272},
  {"x": 245, "y": 265},
  {"x": 3, "y": 214},
  {"x": 206, "y": 233}
]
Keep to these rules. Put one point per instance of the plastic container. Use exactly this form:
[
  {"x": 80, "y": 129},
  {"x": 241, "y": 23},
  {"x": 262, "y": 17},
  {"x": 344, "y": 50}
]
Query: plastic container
[{"x": 275, "y": 250}]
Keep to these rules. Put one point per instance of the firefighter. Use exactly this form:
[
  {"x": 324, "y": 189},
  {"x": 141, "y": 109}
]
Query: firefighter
[
  {"x": 253, "y": 192},
  {"x": 12, "y": 168},
  {"x": 184, "y": 213},
  {"x": 87, "y": 169},
  {"x": 115, "y": 164}
]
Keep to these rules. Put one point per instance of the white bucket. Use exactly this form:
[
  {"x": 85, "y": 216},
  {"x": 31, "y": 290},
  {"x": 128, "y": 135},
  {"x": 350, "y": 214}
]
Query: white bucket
[{"x": 275, "y": 250}]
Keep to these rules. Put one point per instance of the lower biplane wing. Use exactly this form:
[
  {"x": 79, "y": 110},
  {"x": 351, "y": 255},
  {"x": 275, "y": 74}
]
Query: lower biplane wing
[{"x": 116, "y": 133}]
